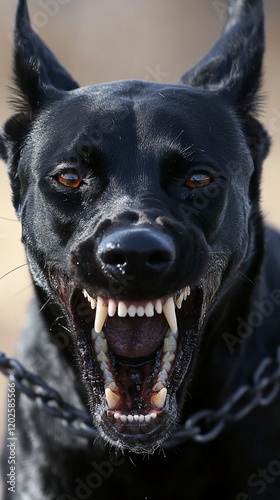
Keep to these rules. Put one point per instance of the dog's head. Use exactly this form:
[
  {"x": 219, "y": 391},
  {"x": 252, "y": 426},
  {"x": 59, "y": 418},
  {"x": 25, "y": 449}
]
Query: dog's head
[{"x": 138, "y": 204}]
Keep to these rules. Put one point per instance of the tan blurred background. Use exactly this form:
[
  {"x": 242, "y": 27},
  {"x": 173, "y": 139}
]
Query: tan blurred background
[{"x": 99, "y": 40}]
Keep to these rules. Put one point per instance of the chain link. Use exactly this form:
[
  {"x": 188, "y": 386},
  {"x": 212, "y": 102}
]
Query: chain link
[{"x": 202, "y": 427}]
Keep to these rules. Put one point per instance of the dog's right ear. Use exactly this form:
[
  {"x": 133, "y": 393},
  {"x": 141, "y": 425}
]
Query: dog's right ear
[
  {"x": 39, "y": 78},
  {"x": 37, "y": 74}
]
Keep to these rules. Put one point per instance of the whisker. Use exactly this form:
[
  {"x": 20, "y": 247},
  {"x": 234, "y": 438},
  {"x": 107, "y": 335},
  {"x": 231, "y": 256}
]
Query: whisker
[{"x": 12, "y": 271}]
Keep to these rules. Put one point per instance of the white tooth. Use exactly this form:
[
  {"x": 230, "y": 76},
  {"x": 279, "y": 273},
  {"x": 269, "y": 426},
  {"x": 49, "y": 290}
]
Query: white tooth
[
  {"x": 104, "y": 366},
  {"x": 101, "y": 356},
  {"x": 153, "y": 414},
  {"x": 112, "y": 307},
  {"x": 84, "y": 292},
  {"x": 158, "y": 386},
  {"x": 130, "y": 418},
  {"x": 140, "y": 311},
  {"x": 123, "y": 418},
  {"x": 163, "y": 375},
  {"x": 169, "y": 344},
  {"x": 100, "y": 315},
  {"x": 169, "y": 356},
  {"x": 93, "y": 303},
  {"x": 188, "y": 290},
  {"x": 107, "y": 375},
  {"x": 112, "y": 398},
  {"x": 111, "y": 385},
  {"x": 117, "y": 415},
  {"x": 158, "y": 306},
  {"x": 94, "y": 334},
  {"x": 168, "y": 309},
  {"x": 122, "y": 310},
  {"x": 159, "y": 399},
  {"x": 149, "y": 310},
  {"x": 141, "y": 418},
  {"x": 148, "y": 418},
  {"x": 167, "y": 366},
  {"x": 132, "y": 311},
  {"x": 180, "y": 300},
  {"x": 100, "y": 344},
  {"x": 136, "y": 418}
]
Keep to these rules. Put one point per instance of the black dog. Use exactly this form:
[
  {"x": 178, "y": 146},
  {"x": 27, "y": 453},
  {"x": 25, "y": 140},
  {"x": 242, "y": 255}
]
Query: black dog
[{"x": 157, "y": 286}]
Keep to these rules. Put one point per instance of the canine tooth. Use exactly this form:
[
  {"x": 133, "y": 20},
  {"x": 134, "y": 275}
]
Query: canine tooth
[
  {"x": 141, "y": 418},
  {"x": 132, "y": 310},
  {"x": 100, "y": 315},
  {"x": 112, "y": 307},
  {"x": 112, "y": 398},
  {"x": 123, "y": 418},
  {"x": 153, "y": 414},
  {"x": 149, "y": 310},
  {"x": 101, "y": 356},
  {"x": 169, "y": 344},
  {"x": 122, "y": 310},
  {"x": 158, "y": 306},
  {"x": 140, "y": 311},
  {"x": 168, "y": 309},
  {"x": 147, "y": 418},
  {"x": 169, "y": 356},
  {"x": 159, "y": 399},
  {"x": 130, "y": 418},
  {"x": 158, "y": 386},
  {"x": 100, "y": 344}
]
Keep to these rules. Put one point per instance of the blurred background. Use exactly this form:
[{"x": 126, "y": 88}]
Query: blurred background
[{"x": 106, "y": 40}]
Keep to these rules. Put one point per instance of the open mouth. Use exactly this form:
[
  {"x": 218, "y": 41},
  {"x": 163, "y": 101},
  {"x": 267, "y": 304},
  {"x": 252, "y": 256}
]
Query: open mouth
[{"x": 135, "y": 356}]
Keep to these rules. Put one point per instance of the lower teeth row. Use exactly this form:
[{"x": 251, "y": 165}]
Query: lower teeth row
[{"x": 135, "y": 418}]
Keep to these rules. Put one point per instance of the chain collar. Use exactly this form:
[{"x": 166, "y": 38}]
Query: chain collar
[{"x": 203, "y": 426}]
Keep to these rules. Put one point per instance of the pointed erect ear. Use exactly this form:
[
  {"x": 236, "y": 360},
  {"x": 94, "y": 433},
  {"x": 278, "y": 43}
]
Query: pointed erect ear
[
  {"x": 234, "y": 65},
  {"x": 36, "y": 70},
  {"x": 39, "y": 78}
]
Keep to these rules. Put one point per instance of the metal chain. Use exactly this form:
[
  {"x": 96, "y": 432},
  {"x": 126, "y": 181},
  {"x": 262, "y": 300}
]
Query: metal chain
[{"x": 203, "y": 426}]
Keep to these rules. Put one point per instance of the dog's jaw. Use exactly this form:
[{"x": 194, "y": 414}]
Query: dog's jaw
[{"x": 134, "y": 392}]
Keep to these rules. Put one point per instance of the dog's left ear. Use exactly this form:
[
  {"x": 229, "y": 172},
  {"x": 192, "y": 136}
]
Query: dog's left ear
[{"x": 234, "y": 65}]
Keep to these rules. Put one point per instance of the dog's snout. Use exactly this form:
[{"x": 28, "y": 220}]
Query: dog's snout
[{"x": 139, "y": 252}]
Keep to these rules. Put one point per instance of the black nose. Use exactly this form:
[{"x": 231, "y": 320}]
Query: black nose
[{"x": 143, "y": 252}]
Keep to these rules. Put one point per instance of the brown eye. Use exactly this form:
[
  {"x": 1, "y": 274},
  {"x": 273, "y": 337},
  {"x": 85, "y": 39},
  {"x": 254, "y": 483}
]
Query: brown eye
[
  {"x": 199, "y": 179},
  {"x": 70, "y": 179}
]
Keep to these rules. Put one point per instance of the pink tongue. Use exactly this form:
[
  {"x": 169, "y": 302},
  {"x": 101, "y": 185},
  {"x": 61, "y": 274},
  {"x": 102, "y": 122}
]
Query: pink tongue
[{"x": 135, "y": 337}]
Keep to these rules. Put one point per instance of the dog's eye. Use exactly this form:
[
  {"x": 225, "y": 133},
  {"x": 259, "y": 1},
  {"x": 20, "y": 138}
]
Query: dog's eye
[
  {"x": 70, "y": 179},
  {"x": 198, "y": 179}
]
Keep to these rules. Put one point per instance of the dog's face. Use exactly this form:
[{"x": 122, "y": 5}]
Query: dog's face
[{"x": 138, "y": 203}]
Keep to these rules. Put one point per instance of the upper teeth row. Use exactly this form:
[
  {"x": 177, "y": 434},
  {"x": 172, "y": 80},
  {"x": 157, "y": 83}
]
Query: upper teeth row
[{"x": 110, "y": 307}]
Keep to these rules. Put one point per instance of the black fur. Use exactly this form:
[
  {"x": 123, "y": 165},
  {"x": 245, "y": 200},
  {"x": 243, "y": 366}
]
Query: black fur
[{"x": 164, "y": 195}]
